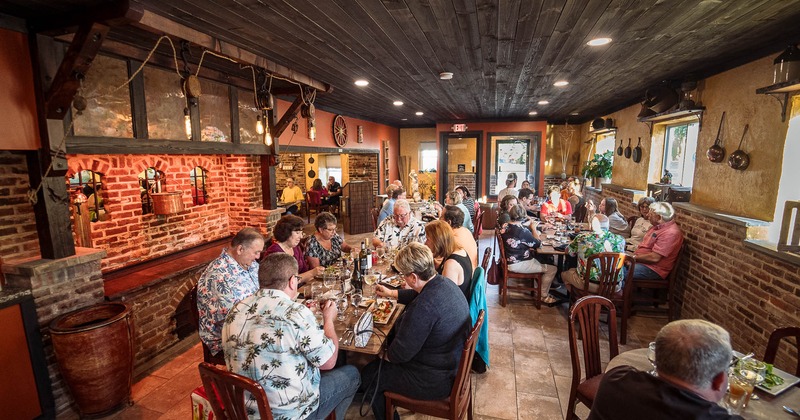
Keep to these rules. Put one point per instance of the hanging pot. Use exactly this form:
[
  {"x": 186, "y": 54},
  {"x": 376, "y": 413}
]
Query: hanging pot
[
  {"x": 645, "y": 111},
  {"x": 609, "y": 123},
  {"x": 311, "y": 159},
  {"x": 312, "y": 174},
  {"x": 598, "y": 124},
  {"x": 619, "y": 149},
  {"x": 628, "y": 150},
  {"x": 661, "y": 99},
  {"x": 716, "y": 153},
  {"x": 637, "y": 152},
  {"x": 739, "y": 159}
]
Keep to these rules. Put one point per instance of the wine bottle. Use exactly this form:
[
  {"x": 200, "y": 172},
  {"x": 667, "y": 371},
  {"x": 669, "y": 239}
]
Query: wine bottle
[
  {"x": 364, "y": 258},
  {"x": 355, "y": 278}
]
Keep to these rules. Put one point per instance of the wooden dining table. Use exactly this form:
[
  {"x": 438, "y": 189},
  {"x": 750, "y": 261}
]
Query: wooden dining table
[{"x": 765, "y": 407}]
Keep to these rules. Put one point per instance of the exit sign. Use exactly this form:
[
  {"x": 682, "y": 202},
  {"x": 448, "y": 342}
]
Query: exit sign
[{"x": 459, "y": 128}]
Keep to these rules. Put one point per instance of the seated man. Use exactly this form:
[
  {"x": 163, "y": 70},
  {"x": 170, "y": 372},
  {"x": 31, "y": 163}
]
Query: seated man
[
  {"x": 555, "y": 205},
  {"x": 399, "y": 230},
  {"x": 526, "y": 199},
  {"x": 422, "y": 359},
  {"x": 587, "y": 244},
  {"x": 453, "y": 198},
  {"x": 292, "y": 197},
  {"x": 276, "y": 341},
  {"x": 511, "y": 187},
  {"x": 230, "y": 278},
  {"x": 387, "y": 210},
  {"x": 334, "y": 192},
  {"x": 659, "y": 248},
  {"x": 692, "y": 358}
]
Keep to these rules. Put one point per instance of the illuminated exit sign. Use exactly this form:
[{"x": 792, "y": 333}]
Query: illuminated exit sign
[{"x": 459, "y": 128}]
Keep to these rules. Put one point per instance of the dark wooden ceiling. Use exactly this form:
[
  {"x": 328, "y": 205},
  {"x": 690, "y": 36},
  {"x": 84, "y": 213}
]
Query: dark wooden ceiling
[{"x": 505, "y": 54}]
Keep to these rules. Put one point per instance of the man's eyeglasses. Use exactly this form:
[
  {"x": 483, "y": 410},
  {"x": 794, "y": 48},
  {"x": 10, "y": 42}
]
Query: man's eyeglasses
[
  {"x": 401, "y": 216},
  {"x": 333, "y": 229}
]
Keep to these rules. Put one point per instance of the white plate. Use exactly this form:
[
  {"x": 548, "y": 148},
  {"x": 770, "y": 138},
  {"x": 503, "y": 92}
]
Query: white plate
[
  {"x": 789, "y": 380},
  {"x": 383, "y": 317}
]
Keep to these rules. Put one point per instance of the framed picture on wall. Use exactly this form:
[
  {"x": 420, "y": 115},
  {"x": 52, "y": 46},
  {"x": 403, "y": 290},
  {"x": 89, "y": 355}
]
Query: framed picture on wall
[{"x": 462, "y": 167}]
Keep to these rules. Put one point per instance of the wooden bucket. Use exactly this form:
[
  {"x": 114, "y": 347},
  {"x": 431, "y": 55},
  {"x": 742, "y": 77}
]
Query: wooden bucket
[{"x": 167, "y": 203}]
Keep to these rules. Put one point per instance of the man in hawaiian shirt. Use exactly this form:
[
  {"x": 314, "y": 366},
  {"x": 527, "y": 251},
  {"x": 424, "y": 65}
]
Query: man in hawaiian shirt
[
  {"x": 587, "y": 244},
  {"x": 228, "y": 279},
  {"x": 276, "y": 341},
  {"x": 399, "y": 230}
]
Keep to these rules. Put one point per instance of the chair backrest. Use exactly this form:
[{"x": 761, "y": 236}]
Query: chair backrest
[
  {"x": 487, "y": 258},
  {"x": 477, "y": 224},
  {"x": 374, "y": 213},
  {"x": 631, "y": 221},
  {"x": 502, "y": 264},
  {"x": 586, "y": 313},
  {"x": 313, "y": 198},
  {"x": 226, "y": 393},
  {"x": 610, "y": 265},
  {"x": 460, "y": 395},
  {"x": 775, "y": 339},
  {"x": 673, "y": 274}
]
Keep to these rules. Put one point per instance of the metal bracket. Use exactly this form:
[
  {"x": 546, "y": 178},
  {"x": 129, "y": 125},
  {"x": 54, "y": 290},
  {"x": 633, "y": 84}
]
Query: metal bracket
[{"x": 784, "y": 103}]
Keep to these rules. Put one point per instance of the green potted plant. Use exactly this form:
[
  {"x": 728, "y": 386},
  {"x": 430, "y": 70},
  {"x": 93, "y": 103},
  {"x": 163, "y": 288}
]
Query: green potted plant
[{"x": 599, "y": 168}]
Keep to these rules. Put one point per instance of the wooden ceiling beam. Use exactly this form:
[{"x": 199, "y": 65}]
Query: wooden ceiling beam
[
  {"x": 111, "y": 13},
  {"x": 161, "y": 25},
  {"x": 288, "y": 116}
]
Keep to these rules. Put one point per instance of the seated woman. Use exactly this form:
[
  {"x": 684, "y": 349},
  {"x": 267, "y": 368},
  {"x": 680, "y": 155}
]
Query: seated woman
[
  {"x": 520, "y": 245},
  {"x": 506, "y": 204},
  {"x": 320, "y": 189},
  {"x": 325, "y": 247},
  {"x": 577, "y": 202},
  {"x": 387, "y": 210},
  {"x": 453, "y": 215},
  {"x": 467, "y": 200},
  {"x": 453, "y": 198},
  {"x": 422, "y": 359},
  {"x": 555, "y": 205},
  {"x": 616, "y": 221},
  {"x": 641, "y": 225},
  {"x": 287, "y": 235}
]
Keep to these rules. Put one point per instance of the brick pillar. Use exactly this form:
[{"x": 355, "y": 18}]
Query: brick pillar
[
  {"x": 58, "y": 287},
  {"x": 244, "y": 189}
]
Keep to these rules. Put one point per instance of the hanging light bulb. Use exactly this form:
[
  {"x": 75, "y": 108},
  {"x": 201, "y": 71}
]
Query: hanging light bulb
[
  {"x": 259, "y": 125},
  {"x": 312, "y": 129},
  {"x": 267, "y": 137},
  {"x": 187, "y": 122}
]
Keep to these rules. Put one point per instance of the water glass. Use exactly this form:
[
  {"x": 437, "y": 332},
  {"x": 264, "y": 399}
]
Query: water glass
[
  {"x": 341, "y": 306},
  {"x": 651, "y": 356},
  {"x": 329, "y": 280},
  {"x": 740, "y": 389},
  {"x": 316, "y": 291},
  {"x": 355, "y": 299}
]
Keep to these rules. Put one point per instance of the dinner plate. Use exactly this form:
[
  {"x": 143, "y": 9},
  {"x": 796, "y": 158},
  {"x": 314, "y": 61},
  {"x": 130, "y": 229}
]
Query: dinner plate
[
  {"x": 392, "y": 281},
  {"x": 382, "y": 310},
  {"x": 789, "y": 380}
]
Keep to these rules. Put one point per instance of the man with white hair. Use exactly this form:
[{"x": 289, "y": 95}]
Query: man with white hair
[
  {"x": 400, "y": 229},
  {"x": 659, "y": 248},
  {"x": 692, "y": 358},
  {"x": 590, "y": 243}
]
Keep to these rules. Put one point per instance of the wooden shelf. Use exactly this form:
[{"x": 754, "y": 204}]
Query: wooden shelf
[
  {"x": 674, "y": 115},
  {"x": 781, "y": 91},
  {"x": 603, "y": 131}
]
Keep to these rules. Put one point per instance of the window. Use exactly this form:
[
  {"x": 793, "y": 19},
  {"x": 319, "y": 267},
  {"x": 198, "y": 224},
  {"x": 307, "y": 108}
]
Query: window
[
  {"x": 330, "y": 166},
  {"x": 605, "y": 143},
  {"x": 680, "y": 148},
  {"x": 150, "y": 181},
  {"x": 90, "y": 183},
  {"x": 198, "y": 179},
  {"x": 428, "y": 156}
]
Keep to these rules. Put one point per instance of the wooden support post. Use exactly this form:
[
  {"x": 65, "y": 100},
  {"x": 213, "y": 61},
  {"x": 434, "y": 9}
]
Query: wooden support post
[
  {"x": 288, "y": 116},
  {"x": 268, "y": 163}
]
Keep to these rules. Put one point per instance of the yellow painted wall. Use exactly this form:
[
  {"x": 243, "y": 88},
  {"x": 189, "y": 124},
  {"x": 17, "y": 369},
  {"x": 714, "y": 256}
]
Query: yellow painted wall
[
  {"x": 576, "y": 150},
  {"x": 410, "y": 138},
  {"x": 462, "y": 151},
  {"x": 750, "y": 193}
]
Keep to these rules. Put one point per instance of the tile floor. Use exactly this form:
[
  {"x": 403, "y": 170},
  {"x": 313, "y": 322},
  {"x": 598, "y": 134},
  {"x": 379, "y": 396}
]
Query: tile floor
[{"x": 529, "y": 375}]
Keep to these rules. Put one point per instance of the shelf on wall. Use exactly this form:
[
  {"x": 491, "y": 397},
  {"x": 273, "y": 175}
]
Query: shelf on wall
[
  {"x": 781, "y": 91},
  {"x": 674, "y": 115},
  {"x": 603, "y": 131}
]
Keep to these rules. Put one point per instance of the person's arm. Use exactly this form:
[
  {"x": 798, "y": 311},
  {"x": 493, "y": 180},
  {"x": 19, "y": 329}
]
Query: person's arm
[
  {"x": 376, "y": 242},
  {"x": 649, "y": 257},
  {"x": 452, "y": 270},
  {"x": 312, "y": 261},
  {"x": 411, "y": 334},
  {"x": 328, "y": 315}
]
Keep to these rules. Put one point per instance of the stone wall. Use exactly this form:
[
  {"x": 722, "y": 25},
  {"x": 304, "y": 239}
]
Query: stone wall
[
  {"x": 298, "y": 172},
  {"x": 18, "y": 237},
  {"x": 58, "y": 287}
]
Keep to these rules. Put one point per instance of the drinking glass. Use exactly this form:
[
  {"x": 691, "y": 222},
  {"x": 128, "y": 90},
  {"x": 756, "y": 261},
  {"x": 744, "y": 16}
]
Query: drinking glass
[
  {"x": 341, "y": 306},
  {"x": 740, "y": 388},
  {"x": 329, "y": 280},
  {"x": 371, "y": 279},
  {"x": 355, "y": 299},
  {"x": 381, "y": 253},
  {"x": 316, "y": 291},
  {"x": 651, "y": 356},
  {"x": 758, "y": 368}
]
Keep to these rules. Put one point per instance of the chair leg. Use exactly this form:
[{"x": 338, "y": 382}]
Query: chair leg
[
  {"x": 389, "y": 409},
  {"x": 623, "y": 338},
  {"x": 469, "y": 408}
]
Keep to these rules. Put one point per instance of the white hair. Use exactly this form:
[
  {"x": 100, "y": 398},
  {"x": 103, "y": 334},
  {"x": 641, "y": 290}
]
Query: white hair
[{"x": 664, "y": 210}]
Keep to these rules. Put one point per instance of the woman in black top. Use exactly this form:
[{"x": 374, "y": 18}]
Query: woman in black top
[{"x": 520, "y": 243}]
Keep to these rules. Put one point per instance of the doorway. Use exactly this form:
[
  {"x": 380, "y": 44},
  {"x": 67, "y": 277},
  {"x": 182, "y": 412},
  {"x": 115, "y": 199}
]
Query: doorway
[{"x": 461, "y": 162}]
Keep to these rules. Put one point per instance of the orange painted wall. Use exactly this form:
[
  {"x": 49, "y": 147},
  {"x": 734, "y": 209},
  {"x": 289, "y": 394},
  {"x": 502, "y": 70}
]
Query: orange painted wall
[
  {"x": 374, "y": 135},
  {"x": 501, "y": 127},
  {"x": 17, "y": 102}
]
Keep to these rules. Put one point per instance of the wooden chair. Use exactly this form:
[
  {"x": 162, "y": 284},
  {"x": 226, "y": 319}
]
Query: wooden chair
[
  {"x": 313, "y": 202},
  {"x": 610, "y": 265},
  {"x": 657, "y": 285},
  {"x": 586, "y": 313},
  {"x": 775, "y": 339},
  {"x": 225, "y": 391},
  {"x": 535, "y": 278},
  {"x": 477, "y": 224},
  {"x": 459, "y": 404},
  {"x": 219, "y": 359},
  {"x": 374, "y": 213}
]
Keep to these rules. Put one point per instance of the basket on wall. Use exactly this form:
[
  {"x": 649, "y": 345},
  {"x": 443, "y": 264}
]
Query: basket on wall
[
  {"x": 167, "y": 202},
  {"x": 94, "y": 352}
]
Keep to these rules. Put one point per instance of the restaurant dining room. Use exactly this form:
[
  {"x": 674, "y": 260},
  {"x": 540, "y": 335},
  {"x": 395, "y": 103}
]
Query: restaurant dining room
[{"x": 569, "y": 209}]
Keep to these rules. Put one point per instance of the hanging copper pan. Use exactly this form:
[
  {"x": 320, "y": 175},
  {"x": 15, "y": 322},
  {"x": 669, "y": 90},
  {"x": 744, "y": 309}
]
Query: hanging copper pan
[
  {"x": 637, "y": 152},
  {"x": 739, "y": 159},
  {"x": 628, "y": 150},
  {"x": 716, "y": 153}
]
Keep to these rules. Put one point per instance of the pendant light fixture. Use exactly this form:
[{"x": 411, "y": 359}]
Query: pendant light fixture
[
  {"x": 187, "y": 122},
  {"x": 264, "y": 102},
  {"x": 312, "y": 123}
]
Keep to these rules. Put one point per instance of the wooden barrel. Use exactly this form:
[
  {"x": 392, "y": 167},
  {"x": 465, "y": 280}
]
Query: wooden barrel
[
  {"x": 94, "y": 351},
  {"x": 167, "y": 202}
]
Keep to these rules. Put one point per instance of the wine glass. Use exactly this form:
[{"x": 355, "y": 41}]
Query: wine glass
[
  {"x": 381, "y": 251},
  {"x": 341, "y": 305},
  {"x": 651, "y": 356},
  {"x": 316, "y": 291},
  {"x": 355, "y": 299},
  {"x": 329, "y": 280},
  {"x": 371, "y": 279}
]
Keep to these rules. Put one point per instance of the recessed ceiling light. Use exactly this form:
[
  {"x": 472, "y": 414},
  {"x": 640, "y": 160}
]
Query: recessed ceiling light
[
  {"x": 419, "y": 113},
  {"x": 543, "y": 102},
  {"x": 361, "y": 82},
  {"x": 574, "y": 113},
  {"x": 445, "y": 75},
  {"x": 598, "y": 42},
  {"x": 561, "y": 83},
  {"x": 397, "y": 103},
  {"x": 404, "y": 119},
  {"x": 533, "y": 113}
]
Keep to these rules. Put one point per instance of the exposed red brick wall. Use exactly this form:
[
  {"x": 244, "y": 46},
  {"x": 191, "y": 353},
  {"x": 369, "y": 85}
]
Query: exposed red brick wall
[
  {"x": 18, "y": 237},
  {"x": 364, "y": 167},
  {"x": 233, "y": 185},
  {"x": 298, "y": 172}
]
